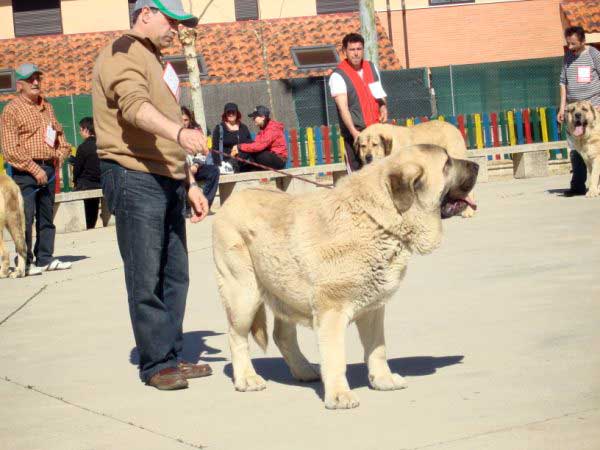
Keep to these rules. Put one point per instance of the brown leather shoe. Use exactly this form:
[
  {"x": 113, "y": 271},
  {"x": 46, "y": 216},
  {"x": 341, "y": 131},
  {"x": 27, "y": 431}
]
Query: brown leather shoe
[
  {"x": 189, "y": 370},
  {"x": 168, "y": 379}
]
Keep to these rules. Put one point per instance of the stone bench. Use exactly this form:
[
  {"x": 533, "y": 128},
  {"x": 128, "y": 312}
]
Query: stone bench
[
  {"x": 69, "y": 211},
  {"x": 529, "y": 160},
  {"x": 228, "y": 182}
]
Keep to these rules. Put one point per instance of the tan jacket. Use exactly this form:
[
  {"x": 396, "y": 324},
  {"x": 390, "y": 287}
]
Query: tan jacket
[{"x": 128, "y": 73}]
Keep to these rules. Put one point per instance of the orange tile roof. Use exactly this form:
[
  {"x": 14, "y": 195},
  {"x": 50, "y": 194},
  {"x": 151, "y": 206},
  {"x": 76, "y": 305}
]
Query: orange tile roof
[
  {"x": 583, "y": 13},
  {"x": 232, "y": 51}
]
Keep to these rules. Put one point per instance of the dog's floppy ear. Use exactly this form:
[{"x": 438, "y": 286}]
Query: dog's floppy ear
[
  {"x": 405, "y": 180},
  {"x": 387, "y": 141}
]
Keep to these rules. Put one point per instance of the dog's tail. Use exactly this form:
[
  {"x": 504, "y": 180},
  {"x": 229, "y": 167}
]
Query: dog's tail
[{"x": 259, "y": 328}]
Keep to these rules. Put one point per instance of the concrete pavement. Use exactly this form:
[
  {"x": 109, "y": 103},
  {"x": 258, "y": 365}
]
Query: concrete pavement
[{"x": 496, "y": 332}]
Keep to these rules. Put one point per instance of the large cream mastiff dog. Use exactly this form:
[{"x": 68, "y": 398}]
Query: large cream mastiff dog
[
  {"x": 329, "y": 258},
  {"x": 13, "y": 218},
  {"x": 583, "y": 124},
  {"x": 379, "y": 140}
]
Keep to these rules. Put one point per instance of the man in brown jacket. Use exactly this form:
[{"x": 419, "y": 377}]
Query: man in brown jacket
[{"x": 142, "y": 146}]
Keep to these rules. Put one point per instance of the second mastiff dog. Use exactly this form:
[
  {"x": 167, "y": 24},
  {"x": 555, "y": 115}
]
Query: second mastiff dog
[
  {"x": 583, "y": 124},
  {"x": 382, "y": 139},
  {"x": 330, "y": 258}
]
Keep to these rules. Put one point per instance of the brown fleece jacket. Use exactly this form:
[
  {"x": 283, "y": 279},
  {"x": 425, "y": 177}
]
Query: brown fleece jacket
[{"x": 128, "y": 73}]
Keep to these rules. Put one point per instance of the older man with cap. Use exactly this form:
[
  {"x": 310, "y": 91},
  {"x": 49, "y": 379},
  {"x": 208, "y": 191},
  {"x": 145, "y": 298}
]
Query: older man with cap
[
  {"x": 33, "y": 142},
  {"x": 142, "y": 145}
]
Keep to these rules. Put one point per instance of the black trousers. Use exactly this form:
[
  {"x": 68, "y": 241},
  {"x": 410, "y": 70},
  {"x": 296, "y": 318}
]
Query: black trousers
[
  {"x": 92, "y": 206},
  {"x": 579, "y": 172},
  {"x": 39, "y": 204},
  {"x": 266, "y": 158},
  {"x": 353, "y": 163}
]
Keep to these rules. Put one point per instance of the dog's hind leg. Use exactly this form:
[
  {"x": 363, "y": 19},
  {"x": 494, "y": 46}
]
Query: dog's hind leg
[
  {"x": 285, "y": 337},
  {"x": 4, "y": 257},
  {"x": 370, "y": 329},
  {"x": 245, "y": 312}
]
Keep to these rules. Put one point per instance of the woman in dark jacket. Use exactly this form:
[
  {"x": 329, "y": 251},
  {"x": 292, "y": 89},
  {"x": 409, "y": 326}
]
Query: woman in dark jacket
[
  {"x": 230, "y": 132},
  {"x": 86, "y": 169}
]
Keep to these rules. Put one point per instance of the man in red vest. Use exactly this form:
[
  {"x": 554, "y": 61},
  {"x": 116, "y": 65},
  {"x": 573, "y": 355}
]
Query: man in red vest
[{"x": 355, "y": 85}]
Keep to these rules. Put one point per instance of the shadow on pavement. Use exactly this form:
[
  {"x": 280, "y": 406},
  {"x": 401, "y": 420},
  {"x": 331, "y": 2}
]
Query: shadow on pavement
[
  {"x": 72, "y": 258},
  {"x": 195, "y": 348},
  {"x": 565, "y": 193},
  {"x": 276, "y": 370}
]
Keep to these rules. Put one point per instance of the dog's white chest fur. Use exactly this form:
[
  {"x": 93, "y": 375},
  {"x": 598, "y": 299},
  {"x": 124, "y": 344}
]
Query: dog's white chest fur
[{"x": 386, "y": 271}]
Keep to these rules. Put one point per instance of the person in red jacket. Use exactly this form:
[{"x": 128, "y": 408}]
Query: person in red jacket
[{"x": 269, "y": 148}]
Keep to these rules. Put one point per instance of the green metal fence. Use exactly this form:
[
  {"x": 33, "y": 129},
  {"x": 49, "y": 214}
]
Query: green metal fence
[{"x": 476, "y": 88}]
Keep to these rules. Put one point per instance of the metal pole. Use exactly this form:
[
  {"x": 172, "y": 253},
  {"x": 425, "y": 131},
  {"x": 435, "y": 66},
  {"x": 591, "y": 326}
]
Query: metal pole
[
  {"x": 326, "y": 104},
  {"x": 405, "y": 34},
  {"x": 73, "y": 120},
  {"x": 389, "y": 21},
  {"x": 369, "y": 31},
  {"x": 452, "y": 91}
]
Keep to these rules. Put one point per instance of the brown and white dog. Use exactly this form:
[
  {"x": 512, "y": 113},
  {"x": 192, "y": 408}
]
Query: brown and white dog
[
  {"x": 12, "y": 216},
  {"x": 330, "y": 258},
  {"x": 583, "y": 124}
]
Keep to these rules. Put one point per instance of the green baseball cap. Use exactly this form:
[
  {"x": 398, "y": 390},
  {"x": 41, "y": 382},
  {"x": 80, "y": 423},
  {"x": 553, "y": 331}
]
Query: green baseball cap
[
  {"x": 26, "y": 70},
  {"x": 170, "y": 8}
]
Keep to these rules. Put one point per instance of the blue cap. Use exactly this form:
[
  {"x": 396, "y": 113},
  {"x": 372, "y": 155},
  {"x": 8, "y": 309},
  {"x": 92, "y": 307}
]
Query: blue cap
[{"x": 26, "y": 70}]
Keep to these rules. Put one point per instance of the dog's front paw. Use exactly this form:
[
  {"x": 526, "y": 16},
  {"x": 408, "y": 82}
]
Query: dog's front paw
[
  {"x": 341, "y": 400},
  {"x": 306, "y": 373},
  {"x": 388, "y": 382},
  {"x": 592, "y": 193},
  {"x": 250, "y": 383},
  {"x": 17, "y": 274}
]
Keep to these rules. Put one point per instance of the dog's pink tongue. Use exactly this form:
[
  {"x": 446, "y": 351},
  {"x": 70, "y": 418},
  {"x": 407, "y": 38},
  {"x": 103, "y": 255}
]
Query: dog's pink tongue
[
  {"x": 578, "y": 131},
  {"x": 470, "y": 202}
]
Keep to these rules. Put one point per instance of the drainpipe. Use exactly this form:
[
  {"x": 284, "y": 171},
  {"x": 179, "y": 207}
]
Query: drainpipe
[{"x": 404, "y": 24}]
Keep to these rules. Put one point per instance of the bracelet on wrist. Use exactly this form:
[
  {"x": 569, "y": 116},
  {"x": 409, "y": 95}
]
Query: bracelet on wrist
[{"x": 179, "y": 135}]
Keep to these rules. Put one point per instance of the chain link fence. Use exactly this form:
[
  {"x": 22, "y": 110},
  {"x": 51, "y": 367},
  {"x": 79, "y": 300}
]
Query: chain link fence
[{"x": 481, "y": 88}]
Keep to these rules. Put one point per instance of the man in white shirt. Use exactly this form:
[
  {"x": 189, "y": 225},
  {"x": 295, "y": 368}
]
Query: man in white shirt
[{"x": 355, "y": 85}]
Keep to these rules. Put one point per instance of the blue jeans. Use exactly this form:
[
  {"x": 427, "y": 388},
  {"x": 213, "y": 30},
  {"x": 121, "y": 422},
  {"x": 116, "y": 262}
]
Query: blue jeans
[
  {"x": 38, "y": 202},
  {"x": 210, "y": 175},
  {"x": 149, "y": 212}
]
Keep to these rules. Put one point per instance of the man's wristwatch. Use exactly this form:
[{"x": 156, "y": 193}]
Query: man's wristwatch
[{"x": 192, "y": 184}]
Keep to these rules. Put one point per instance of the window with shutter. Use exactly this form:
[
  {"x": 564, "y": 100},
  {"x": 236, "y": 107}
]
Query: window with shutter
[
  {"x": 246, "y": 9},
  {"x": 33, "y": 18},
  {"x": 315, "y": 57},
  {"x": 180, "y": 66},
  {"x": 448, "y": 2},
  {"x": 7, "y": 80},
  {"x": 336, "y": 6}
]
